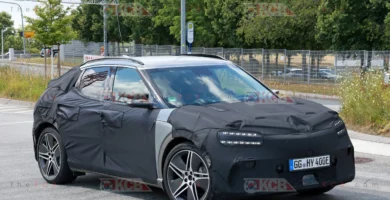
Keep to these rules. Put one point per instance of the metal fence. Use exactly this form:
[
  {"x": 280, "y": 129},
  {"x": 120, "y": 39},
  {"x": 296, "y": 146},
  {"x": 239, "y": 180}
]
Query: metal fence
[{"x": 289, "y": 66}]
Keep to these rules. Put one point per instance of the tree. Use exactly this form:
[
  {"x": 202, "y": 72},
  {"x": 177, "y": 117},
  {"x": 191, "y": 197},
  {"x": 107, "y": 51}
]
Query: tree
[
  {"x": 147, "y": 29},
  {"x": 225, "y": 16},
  {"x": 386, "y": 36},
  {"x": 351, "y": 25},
  {"x": 10, "y": 39},
  {"x": 52, "y": 26},
  {"x": 169, "y": 16},
  {"x": 88, "y": 23},
  {"x": 281, "y": 32}
]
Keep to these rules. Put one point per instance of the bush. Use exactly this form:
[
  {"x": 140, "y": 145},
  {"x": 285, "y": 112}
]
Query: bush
[
  {"x": 366, "y": 101},
  {"x": 23, "y": 86}
]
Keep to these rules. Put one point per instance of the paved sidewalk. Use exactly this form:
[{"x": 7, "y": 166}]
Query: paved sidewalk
[
  {"x": 4, "y": 101},
  {"x": 368, "y": 137}
]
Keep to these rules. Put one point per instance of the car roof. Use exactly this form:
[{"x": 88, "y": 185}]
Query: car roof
[{"x": 149, "y": 62}]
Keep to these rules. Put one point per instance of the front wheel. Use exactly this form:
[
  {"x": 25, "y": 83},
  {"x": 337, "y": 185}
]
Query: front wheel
[
  {"x": 52, "y": 159},
  {"x": 186, "y": 175}
]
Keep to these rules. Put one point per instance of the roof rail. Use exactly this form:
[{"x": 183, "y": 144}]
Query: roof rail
[
  {"x": 204, "y": 55},
  {"x": 106, "y": 58}
]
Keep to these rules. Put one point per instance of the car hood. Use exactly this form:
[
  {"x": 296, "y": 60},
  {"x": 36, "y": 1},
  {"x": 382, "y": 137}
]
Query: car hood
[{"x": 272, "y": 118}]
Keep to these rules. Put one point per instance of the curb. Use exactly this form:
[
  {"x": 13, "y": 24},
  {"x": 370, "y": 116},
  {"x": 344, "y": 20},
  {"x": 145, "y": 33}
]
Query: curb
[{"x": 310, "y": 95}]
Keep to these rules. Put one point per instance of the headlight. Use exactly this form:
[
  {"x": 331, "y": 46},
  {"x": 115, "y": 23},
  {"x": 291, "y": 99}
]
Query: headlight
[
  {"x": 340, "y": 127},
  {"x": 240, "y": 138}
]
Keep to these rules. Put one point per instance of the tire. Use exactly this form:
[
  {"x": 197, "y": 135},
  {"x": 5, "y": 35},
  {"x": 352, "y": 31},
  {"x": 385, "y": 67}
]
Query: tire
[
  {"x": 315, "y": 191},
  {"x": 197, "y": 176},
  {"x": 58, "y": 171}
]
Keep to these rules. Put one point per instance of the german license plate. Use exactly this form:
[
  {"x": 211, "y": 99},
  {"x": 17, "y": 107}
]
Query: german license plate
[{"x": 309, "y": 163}]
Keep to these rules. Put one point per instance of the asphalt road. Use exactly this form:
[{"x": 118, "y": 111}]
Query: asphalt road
[{"x": 20, "y": 177}]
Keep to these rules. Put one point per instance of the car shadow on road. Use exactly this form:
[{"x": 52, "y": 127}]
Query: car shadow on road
[{"x": 92, "y": 181}]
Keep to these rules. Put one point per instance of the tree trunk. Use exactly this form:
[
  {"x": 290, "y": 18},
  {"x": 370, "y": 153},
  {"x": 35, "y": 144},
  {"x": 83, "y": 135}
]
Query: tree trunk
[
  {"x": 312, "y": 64},
  {"x": 267, "y": 63},
  {"x": 304, "y": 66},
  {"x": 289, "y": 61},
  {"x": 44, "y": 54},
  {"x": 318, "y": 64},
  {"x": 119, "y": 48},
  {"x": 58, "y": 61}
]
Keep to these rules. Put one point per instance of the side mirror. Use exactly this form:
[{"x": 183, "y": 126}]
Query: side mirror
[
  {"x": 276, "y": 92},
  {"x": 147, "y": 105}
]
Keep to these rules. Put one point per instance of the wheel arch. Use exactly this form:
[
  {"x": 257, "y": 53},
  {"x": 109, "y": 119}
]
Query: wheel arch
[
  {"x": 168, "y": 144},
  {"x": 38, "y": 131}
]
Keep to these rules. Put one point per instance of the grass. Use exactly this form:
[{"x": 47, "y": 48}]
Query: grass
[
  {"x": 39, "y": 60},
  {"x": 365, "y": 103},
  {"x": 17, "y": 85},
  {"x": 304, "y": 88}
]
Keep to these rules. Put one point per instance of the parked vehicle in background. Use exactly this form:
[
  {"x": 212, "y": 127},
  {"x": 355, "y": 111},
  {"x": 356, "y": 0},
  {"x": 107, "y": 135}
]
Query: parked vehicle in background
[
  {"x": 295, "y": 72},
  {"x": 327, "y": 73},
  {"x": 331, "y": 71},
  {"x": 48, "y": 49},
  {"x": 277, "y": 73}
]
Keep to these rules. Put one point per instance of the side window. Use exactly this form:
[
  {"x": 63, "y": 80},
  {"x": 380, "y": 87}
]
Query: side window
[
  {"x": 95, "y": 83},
  {"x": 128, "y": 86}
]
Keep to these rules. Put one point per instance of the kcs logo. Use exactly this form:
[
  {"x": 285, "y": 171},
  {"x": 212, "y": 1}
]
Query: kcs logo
[
  {"x": 267, "y": 185},
  {"x": 119, "y": 185}
]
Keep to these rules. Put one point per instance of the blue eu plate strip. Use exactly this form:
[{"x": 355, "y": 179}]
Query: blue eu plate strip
[{"x": 291, "y": 165}]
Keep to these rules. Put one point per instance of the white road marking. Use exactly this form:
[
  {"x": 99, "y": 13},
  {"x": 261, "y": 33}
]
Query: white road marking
[
  {"x": 371, "y": 147},
  {"x": 24, "y": 111},
  {"x": 13, "y": 109},
  {"x": 369, "y": 181},
  {"x": 9, "y": 109},
  {"x": 23, "y": 122}
]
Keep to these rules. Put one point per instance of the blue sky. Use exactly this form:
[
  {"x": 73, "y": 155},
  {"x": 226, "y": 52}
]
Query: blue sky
[{"x": 27, "y": 7}]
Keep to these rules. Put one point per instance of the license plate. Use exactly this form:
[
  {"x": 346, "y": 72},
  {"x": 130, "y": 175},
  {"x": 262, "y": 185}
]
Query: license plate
[{"x": 309, "y": 163}]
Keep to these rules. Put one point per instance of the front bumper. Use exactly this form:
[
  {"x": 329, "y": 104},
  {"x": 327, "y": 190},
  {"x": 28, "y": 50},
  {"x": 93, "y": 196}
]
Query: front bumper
[{"x": 232, "y": 167}]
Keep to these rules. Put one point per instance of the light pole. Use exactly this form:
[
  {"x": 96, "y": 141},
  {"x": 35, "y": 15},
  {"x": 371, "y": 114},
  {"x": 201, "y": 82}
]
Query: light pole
[
  {"x": 2, "y": 43},
  {"x": 105, "y": 27},
  {"x": 21, "y": 11},
  {"x": 183, "y": 46}
]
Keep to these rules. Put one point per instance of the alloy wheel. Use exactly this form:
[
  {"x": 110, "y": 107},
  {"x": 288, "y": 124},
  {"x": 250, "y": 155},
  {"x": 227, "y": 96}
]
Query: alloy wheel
[
  {"x": 188, "y": 176},
  {"x": 49, "y": 156}
]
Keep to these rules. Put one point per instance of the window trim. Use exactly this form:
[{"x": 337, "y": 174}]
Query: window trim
[
  {"x": 77, "y": 85},
  {"x": 151, "y": 97}
]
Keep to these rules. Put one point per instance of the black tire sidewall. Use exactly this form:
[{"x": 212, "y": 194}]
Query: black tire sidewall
[
  {"x": 176, "y": 149},
  {"x": 65, "y": 175}
]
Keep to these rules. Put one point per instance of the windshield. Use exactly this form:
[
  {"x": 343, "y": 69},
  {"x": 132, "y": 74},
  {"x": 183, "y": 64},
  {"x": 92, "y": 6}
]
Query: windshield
[{"x": 200, "y": 85}]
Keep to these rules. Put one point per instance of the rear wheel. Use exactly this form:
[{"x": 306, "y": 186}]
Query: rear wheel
[
  {"x": 316, "y": 191},
  {"x": 52, "y": 160},
  {"x": 186, "y": 175}
]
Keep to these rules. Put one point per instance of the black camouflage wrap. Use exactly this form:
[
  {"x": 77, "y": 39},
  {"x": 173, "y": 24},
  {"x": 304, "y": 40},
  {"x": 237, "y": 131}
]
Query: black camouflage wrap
[
  {"x": 290, "y": 130},
  {"x": 99, "y": 136},
  {"x": 119, "y": 140}
]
